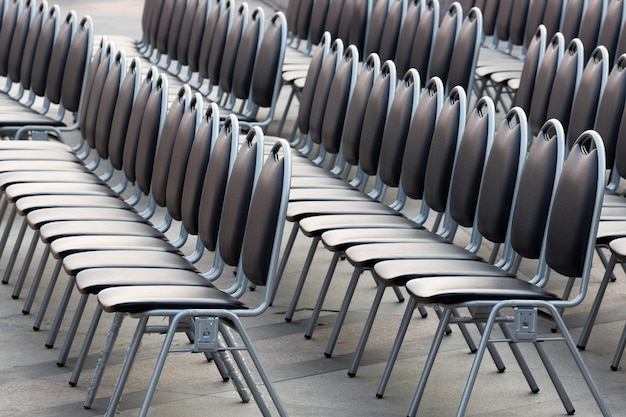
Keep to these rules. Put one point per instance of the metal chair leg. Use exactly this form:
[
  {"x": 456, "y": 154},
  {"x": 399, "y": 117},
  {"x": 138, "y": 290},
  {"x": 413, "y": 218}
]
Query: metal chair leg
[
  {"x": 619, "y": 351},
  {"x": 103, "y": 359},
  {"x": 301, "y": 280},
  {"x": 58, "y": 318},
  {"x": 48, "y": 295},
  {"x": 356, "y": 359},
  {"x": 71, "y": 332},
  {"x": 84, "y": 350},
  {"x": 595, "y": 307},
  {"x": 322, "y": 296},
  {"x": 19, "y": 284},
  {"x": 15, "y": 252},
  {"x": 34, "y": 287},
  {"x": 343, "y": 311}
]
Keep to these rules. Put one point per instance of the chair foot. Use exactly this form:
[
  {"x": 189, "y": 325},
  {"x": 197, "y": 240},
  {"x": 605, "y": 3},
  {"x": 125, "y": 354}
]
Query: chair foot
[
  {"x": 72, "y": 384},
  {"x": 25, "y": 312},
  {"x": 501, "y": 370},
  {"x": 535, "y": 391},
  {"x": 613, "y": 368},
  {"x": 60, "y": 364},
  {"x": 47, "y": 345},
  {"x": 307, "y": 337},
  {"x": 288, "y": 320},
  {"x": 15, "y": 297},
  {"x": 580, "y": 347},
  {"x": 379, "y": 396},
  {"x": 36, "y": 328},
  {"x": 571, "y": 413},
  {"x": 328, "y": 355},
  {"x": 351, "y": 374}
]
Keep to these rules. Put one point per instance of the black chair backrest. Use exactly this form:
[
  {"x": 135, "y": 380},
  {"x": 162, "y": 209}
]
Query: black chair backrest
[
  {"x": 465, "y": 52},
  {"x": 446, "y": 137},
  {"x": 304, "y": 19},
  {"x": 308, "y": 91},
  {"x": 246, "y": 55},
  {"x": 125, "y": 135},
  {"x": 400, "y": 117},
  {"x": 110, "y": 131},
  {"x": 355, "y": 113},
  {"x": 407, "y": 35},
  {"x": 376, "y": 27},
  {"x": 610, "y": 109},
  {"x": 43, "y": 51},
  {"x": 472, "y": 155},
  {"x": 573, "y": 218},
  {"x": 179, "y": 111},
  {"x": 266, "y": 80},
  {"x": 426, "y": 32},
  {"x": 177, "y": 178},
  {"x": 341, "y": 90},
  {"x": 227, "y": 24},
  {"x": 536, "y": 11},
  {"x": 322, "y": 90},
  {"x": 79, "y": 55},
  {"x": 532, "y": 61},
  {"x": 359, "y": 21},
  {"x": 108, "y": 101},
  {"x": 209, "y": 27},
  {"x": 444, "y": 43},
  {"x": 611, "y": 26},
  {"x": 177, "y": 29},
  {"x": 153, "y": 22},
  {"x": 588, "y": 93},
  {"x": 26, "y": 23},
  {"x": 58, "y": 59},
  {"x": 565, "y": 83},
  {"x": 143, "y": 134},
  {"x": 186, "y": 30},
  {"x": 500, "y": 179},
  {"x": 163, "y": 30},
  {"x": 204, "y": 141},
  {"x": 620, "y": 147},
  {"x": 375, "y": 117},
  {"x": 620, "y": 49},
  {"x": 214, "y": 185},
  {"x": 503, "y": 20},
  {"x": 6, "y": 33},
  {"x": 489, "y": 8},
  {"x": 91, "y": 105},
  {"x": 233, "y": 42},
  {"x": 543, "y": 84},
  {"x": 103, "y": 53},
  {"x": 552, "y": 16},
  {"x": 530, "y": 211},
  {"x": 571, "y": 19},
  {"x": 391, "y": 30},
  {"x": 198, "y": 27},
  {"x": 333, "y": 17},
  {"x": 420, "y": 137},
  {"x": 264, "y": 225},
  {"x": 318, "y": 20},
  {"x": 519, "y": 16},
  {"x": 215, "y": 32},
  {"x": 291, "y": 13},
  {"x": 237, "y": 197},
  {"x": 590, "y": 25},
  {"x": 30, "y": 46}
]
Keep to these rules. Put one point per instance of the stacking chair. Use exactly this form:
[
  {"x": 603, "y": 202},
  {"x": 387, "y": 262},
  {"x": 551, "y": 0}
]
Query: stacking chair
[
  {"x": 422, "y": 25},
  {"x": 588, "y": 94},
  {"x": 572, "y": 17},
  {"x": 566, "y": 248},
  {"x": 611, "y": 26},
  {"x": 197, "y": 28},
  {"x": 465, "y": 53},
  {"x": 543, "y": 83},
  {"x": 444, "y": 43},
  {"x": 566, "y": 81},
  {"x": 257, "y": 263},
  {"x": 590, "y": 25}
]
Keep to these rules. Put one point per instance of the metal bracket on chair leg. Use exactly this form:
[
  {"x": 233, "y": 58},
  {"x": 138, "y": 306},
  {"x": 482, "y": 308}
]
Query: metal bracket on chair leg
[
  {"x": 206, "y": 334},
  {"x": 525, "y": 324}
]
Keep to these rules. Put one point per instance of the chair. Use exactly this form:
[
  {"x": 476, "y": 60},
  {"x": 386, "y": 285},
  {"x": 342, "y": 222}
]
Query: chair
[
  {"x": 566, "y": 249},
  {"x": 566, "y": 81},
  {"x": 611, "y": 25},
  {"x": 572, "y": 18},
  {"x": 418, "y": 54},
  {"x": 444, "y": 43},
  {"x": 465, "y": 52},
  {"x": 543, "y": 83},
  {"x": 259, "y": 250},
  {"x": 588, "y": 94},
  {"x": 590, "y": 25}
]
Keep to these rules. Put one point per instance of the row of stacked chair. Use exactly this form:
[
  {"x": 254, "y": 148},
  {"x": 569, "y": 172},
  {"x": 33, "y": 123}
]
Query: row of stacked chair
[
  {"x": 159, "y": 153},
  {"x": 385, "y": 122}
]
